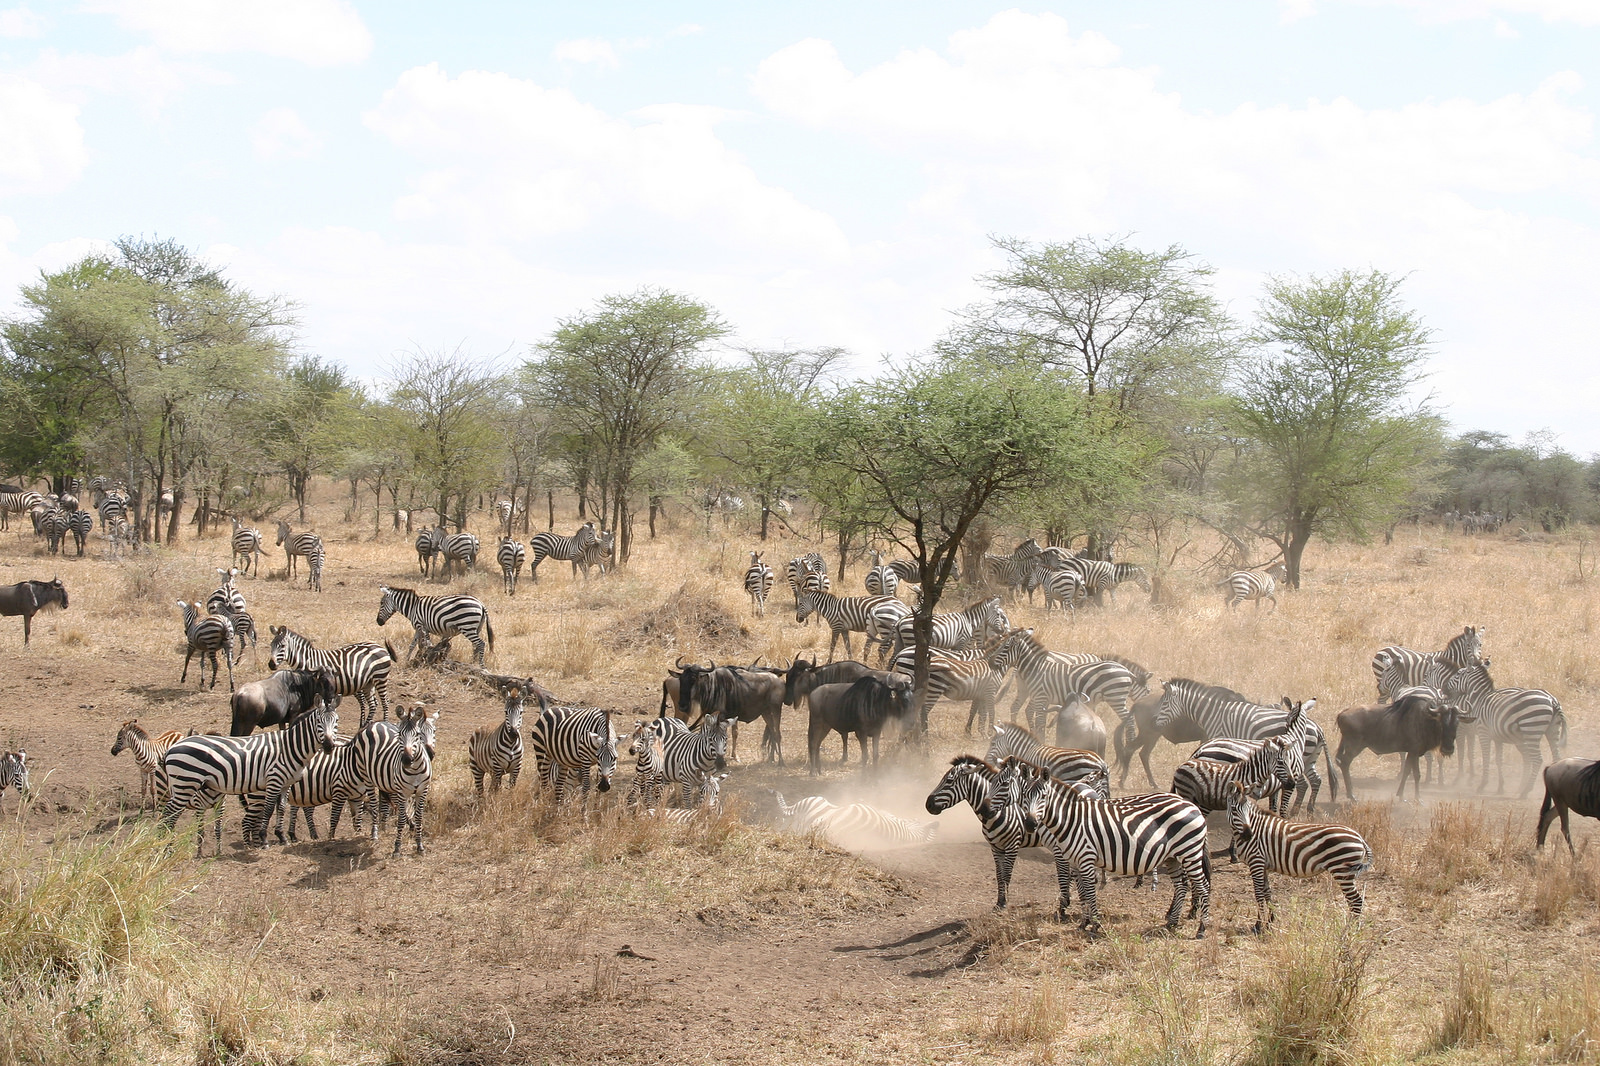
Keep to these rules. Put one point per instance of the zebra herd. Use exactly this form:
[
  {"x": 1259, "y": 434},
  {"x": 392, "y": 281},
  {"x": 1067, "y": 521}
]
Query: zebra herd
[{"x": 440, "y": 552}]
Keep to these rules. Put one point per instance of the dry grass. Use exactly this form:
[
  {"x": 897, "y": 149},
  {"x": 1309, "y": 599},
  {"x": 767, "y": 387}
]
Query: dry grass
[{"x": 1311, "y": 1004}]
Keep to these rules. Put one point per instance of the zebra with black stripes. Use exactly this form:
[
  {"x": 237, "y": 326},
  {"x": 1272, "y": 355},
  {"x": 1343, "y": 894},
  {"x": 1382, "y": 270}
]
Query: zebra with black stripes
[
  {"x": 687, "y": 755},
  {"x": 228, "y": 602},
  {"x": 1066, "y": 765},
  {"x": 974, "y": 624},
  {"x": 511, "y": 555},
  {"x": 54, "y": 525},
  {"x": 439, "y": 616},
  {"x": 758, "y": 583},
  {"x": 393, "y": 763},
  {"x": 1523, "y": 717},
  {"x": 247, "y": 551},
  {"x": 459, "y": 551},
  {"x": 953, "y": 677},
  {"x": 1287, "y": 773},
  {"x": 1218, "y": 712},
  {"x": 496, "y": 750},
  {"x": 200, "y": 770},
  {"x": 1045, "y": 679},
  {"x": 1395, "y": 668},
  {"x": 1300, "y": 849},
  {"x": 881, "y": 580},
  {"x": 327, "y": 780},
  {"x": 971, "y": 780},
  {"x": 206, "y": 637},
  {"x": 1159, "y": 832},
  {"x": 1064, "y": 587},
  {"x": 568, "y": 741},
  {"x": 360, "y": 670},
  {"x": 430, "y": 542},
  {"x": 600, "y": 552},
  {"x": 14, "y": 774},
  {"x": 296, "y": 545},
  {"x": 852, "y": 823},
  {"x": 877, "y": 617},
  {"x": 16, "y": 503},
  {"x": 546, "y": 544},
  {"x": 148, "y": 752},
  {"x": 1242, "y": 585},
  {"x": 80, "y": 524},
  {"x": 1208, "y": 784},
  {"x": 1014, "y": 574}
]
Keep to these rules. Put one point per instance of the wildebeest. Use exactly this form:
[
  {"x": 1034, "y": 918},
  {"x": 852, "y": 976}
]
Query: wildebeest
[
  {"x": 803, "y": 676},
  {"x": 1178, "y": 730},
  {"x": 737, "y": 694},
  {"x": 1079, "y": 727},
  {"x": 1415, "y": 723},
  {"x": 862, "y": 707},
  {"x": 1569, "y": 785},
  {"x": 28, "y": 598},
  {"x": 280, "y": 699}
]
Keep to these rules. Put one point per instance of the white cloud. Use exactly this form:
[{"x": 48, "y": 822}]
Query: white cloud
[
  {"x": 41, "y": 143},
  {"x": 317, "y": 32},
  {"x": 21, "y": 21},
  {"x": 588, "y": 50},
  {"x": 1582, "y": 12},
  {"x": 143, "y": 75},
  {"x": 504, "y": 157},
  {"x": 282, "y": 134}
]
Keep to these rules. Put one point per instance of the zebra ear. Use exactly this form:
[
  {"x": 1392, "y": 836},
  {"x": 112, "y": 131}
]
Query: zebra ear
[{"x": 1309, "y": 704}]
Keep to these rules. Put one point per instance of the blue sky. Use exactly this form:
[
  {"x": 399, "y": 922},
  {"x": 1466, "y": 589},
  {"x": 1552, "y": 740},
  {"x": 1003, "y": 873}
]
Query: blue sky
[{"x": 824, "y": 173}]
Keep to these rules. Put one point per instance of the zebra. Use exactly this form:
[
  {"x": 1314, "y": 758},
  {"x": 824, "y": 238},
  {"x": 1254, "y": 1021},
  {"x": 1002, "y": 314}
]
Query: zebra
[
  {"x": 799, "y": 567},
  {"x": 1299, "y": 849},
  {"x": 757, "y": 583},
  {"x": 316, "y": 558},
  {"x": 1221, "y": 712},
  {"x": 646, "y": 746},
  {"x": 54, "y": 525},
  {"x": 1288, "y": 770},
  {"x": 1395, "y": 668},
  {"x": 228, "y": 602},
  {"x": 1044, "y": 679},
  {"x": 710, "y": 802},
  {"x": 951, "y": 677},
  {"x": 430, "y": 542},
  {"x": 393, "y": 762},
  {"x": 852, "y": 823},
  {"x": 1244, "y": 585},
  {"x": 881, "y": 580},
  {"x": 1065, "y": 587},
  {"x": 496, "y": 750},
  {"x": 80, "y": 523},
  {"x": 295, "y": 545},
  {"x": 1159, "y": 832},
  {"x": 200, "y": 770},
  {"x": 148, "y": 752},
  {"x": 1064, "y": 764},
  {"x": 566, "y": 742},
  {"x": 247, "y": 553},
  {"x": 360, "y": 670},
  {"x": 14, "y": 774},
  {"x": 972, "y": 780},
  {"x": 16, "y": 503},
  {"x": 503, "y": 511},
  {"x": 206, "y": 637},
  {"x": 687, "y": 755},
  {"x": 546, "y": 544},
  {"x": 510, "y": 555},
  {"x": 1208, "y": 783},
  {"x": 440, "y": 616},
  {"x": 1519, "y": 716},
  {"x": 973, "y": 624},
  {"x": 326, "y": 780},
  {"x": 598, "y": 552},
  {"x": 1014, "y": 573},
  {"x": 460, "y": 550},
  {"x": 846, "y": 614}
]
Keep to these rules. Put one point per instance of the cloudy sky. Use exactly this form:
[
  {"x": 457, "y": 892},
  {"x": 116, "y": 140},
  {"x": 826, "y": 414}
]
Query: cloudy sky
[{"x": 823, "y": 172}]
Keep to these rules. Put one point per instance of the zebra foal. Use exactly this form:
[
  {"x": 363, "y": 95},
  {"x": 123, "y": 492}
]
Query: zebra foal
[
  {"x": 1270, "y": 844},
  {"x": 148, "y": 751},
  {"x": 439, "y": 616},
  {"x": 495, "y": 751}
]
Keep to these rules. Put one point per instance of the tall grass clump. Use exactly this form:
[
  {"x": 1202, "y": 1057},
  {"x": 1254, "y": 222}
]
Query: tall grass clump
[
  {"x": 1174, "y": 1028},
  {"x": 1470, "y": 1013},
  {"x": 1309, "y": 1005}
]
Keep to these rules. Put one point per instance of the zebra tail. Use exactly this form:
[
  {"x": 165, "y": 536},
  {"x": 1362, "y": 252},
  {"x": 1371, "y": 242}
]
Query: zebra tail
[
  {"x": 488, "y": 630},
  {"x": 1333, "y": 778},
  {"x": 390, "y": 649},
  {"x": 1205, "y": 865},
  {"x": 1366, "y": 859},
  {"x": 1561, "y": 716}
]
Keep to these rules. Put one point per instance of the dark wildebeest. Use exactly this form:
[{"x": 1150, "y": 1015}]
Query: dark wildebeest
[
  {"x": 738, "y": 694},
  {"x": 862, "y": 707},
  {"x": 1569, "y": 785},
  {"x": 1179, "y": 730},
  {"x": 280, "y": 699},
  {"x": 803, "y": 676},
  {"x": 1417, "y": 722},
  {"x": 28, "y": 598}
]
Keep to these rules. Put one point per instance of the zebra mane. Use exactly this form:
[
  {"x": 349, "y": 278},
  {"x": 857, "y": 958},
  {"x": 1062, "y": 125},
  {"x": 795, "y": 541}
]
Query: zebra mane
[
  {"x": 1014, "y": 730},
  {"x": 978, "y": 761},
  {"x": 1200, "y": 688}
]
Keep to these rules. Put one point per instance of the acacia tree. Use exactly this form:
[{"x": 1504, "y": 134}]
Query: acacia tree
[
  {"x": 620, "y": 378},
  {"x": 1336, "y": 443},
  {"x": 311, "y": 423},
  {"x": 446, "y": 400},
  {"x": 931, "y": 448}
]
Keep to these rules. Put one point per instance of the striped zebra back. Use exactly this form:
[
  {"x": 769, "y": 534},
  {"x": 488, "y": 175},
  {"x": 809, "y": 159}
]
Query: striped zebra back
[
  {"x": 1064, "y": 764},
  {"x": 1208, "y": 783},
  {"x": 1298, "y": 849},
  {"x": 1218, "y": 711}
]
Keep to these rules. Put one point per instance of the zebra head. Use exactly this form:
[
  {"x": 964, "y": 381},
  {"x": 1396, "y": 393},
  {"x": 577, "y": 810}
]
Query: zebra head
[
  {"x": 719, "y": 740},
  {"x": 283, "y": 531},
  {"x": 386, "y": 606},
  {"x": 711, "y": 790},
  {"x": 605, "y": 757},
  {"x": 1009, "y": 651},
  {"x": 325, "y": 723},
  {"x": 807, "y": 603},
  {"x": 1241, "y": 813},
  {"x": 280, "y": 650},
  {"x": 125, "y": 735},
  {"x": 969, "y": 778},
  {"x": 14, "y": 764},
  {"x": 514, "y": 701},
  {"x": 413, "y": 747}
]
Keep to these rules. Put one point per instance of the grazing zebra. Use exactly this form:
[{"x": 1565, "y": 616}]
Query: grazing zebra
[
  {"x": 16, "y": 503},
  {"x": 1014, "y": 573},
  {"x": 853, "y": 823},
  {"x": 393, "y": 762},
  {"x": 1244, "y": 585},
  {"x": 1159, "y": 832},
  {"x": 1045, "y": 679},
  {"x": 1064, "y": 764},
  {"x": 881, "y": 580},
  {"x": 510, "y": 555},
  {"x": 430, "y": 542},
  {"x": 200, "y": 770},
  {"x": 1395, "y": 668},
  {"x": 326, "y": 779},
  {"x": 14, "y": 773},
  {"x": 599, "y": 553},
  {"x": 54, "y": 526},
  {"x": 459, "y": 550},
  {"x": 206, "y": 637},
  {"x": 546, "y": 544},
  {"x": 1519, "y": 716},
  {"x": 974, "y": 624},
  {"x": 440, "y": 616},
  {"x": 758, "y": 583},
  {"x": 247, "y": 550},
  {"x": 360, "y": 670},
  {"x": 496, "y": 750},
  {"x": 148, "y": 752},
  {"x": 1300, "y": 849},
  {"x": 1219, "y": 712},
  {"x": 80, "y": 523},
  {"x": 875, "y": 616},
  {"x": 295, "y": 545},
  {"x": 566, "y": 742}
]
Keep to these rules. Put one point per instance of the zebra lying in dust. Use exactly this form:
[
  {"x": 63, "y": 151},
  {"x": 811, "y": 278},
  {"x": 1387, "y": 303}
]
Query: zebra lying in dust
[{"x": 854, "y": 824}]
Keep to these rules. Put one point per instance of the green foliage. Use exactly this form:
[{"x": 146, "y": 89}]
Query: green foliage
[
  {"x": 1485, "y": 472},
  {"x": 443, "y": 403}
]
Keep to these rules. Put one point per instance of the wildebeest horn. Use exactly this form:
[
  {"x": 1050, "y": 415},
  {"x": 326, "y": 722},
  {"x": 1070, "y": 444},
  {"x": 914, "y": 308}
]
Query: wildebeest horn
[{"x": 678, "y": 662}]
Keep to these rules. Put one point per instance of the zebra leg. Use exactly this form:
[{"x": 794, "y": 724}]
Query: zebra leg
[
  {"x": 1352, "y": 894},
  {"x": 227, "y": 655},
  {"x": 311, "y": 823},
  {"x": 1005, "y": 860},
  {"x": 1086, "y": 894},
  {"x": 1200, "y": 885},
  {"x": 400, "y": 816},
  {"x": 186, "y": 655},
  {"x": 477, "y": 782},
  {"x": 1180, "y": 888},
  {"x": 1530, "y": 765},
  {"x": 1258, "y": 878}
]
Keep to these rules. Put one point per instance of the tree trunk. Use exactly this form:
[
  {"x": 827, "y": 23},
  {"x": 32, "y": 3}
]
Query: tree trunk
[
  {"x": 172, "y": 519},
  {"x": 655, "y": 506},
  {"x": 766, "y": 511},
  {"x": 844, "y": 556},
  {"x": 1299, "y": 537},
  {"x": 550, "y": 500}
]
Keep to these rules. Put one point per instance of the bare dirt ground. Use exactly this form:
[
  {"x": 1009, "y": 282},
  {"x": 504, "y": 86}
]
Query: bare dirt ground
[{"x": 505, "y": 942}]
